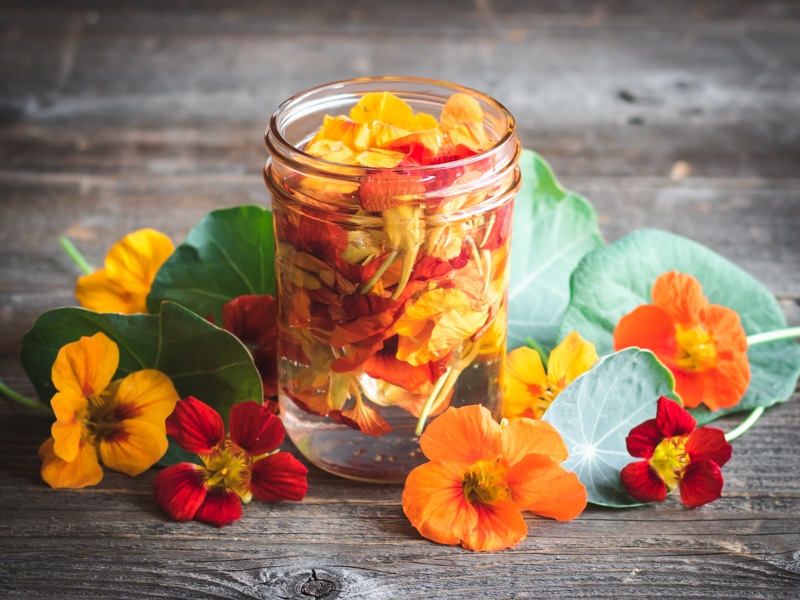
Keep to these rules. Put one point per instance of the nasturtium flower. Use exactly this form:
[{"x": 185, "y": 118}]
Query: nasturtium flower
[
  {"x": 676, "y": 455},
  {"x": 703, "y": 344},
  {"x": 435, "y": 324},
  {"x": 237, "y": 466},
  {"x": 529, "y": 390},
  {"x": 482, "y": 474},
  {"x": 120, "y": 423},
  {"x": 130, "y": 268},
  {"x": 254, "y": 320}
]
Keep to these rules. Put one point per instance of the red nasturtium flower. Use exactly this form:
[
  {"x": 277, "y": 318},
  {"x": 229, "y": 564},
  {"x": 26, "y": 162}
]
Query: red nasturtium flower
[
  {"x": 483, "y": 474},
  {"x": 119, "y": 422},
  {"x": 130, "y": 268},
  {"x": 704, "y": 345},
  {"x": 676, "y": 455},
  {"x": 254, "y": 320},
  {"x": 237, "y": 467}
]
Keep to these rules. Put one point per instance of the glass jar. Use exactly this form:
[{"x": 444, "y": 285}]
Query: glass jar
[{"x": 392, "y": 266}]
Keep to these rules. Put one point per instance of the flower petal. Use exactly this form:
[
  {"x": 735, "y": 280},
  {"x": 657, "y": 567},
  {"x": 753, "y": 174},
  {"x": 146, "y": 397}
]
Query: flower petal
[
  {"x": 642, "y": 483},
  {"x": 725, "y": 385},
  {"x": 254, "y": 320},
  {"x": 195, "y": 426},
  {"x": 368, "y": 420},
  {"x": 130, "y": 268},
  {"x": 220, "y": 508},
  {"x": 643, "y": 439},
  {"x": 691, "y": 386},
  {"x": 527, "y": 436},
  {"x": 545, "y": 488},
  {"x": 133, "y": 446},
  {"x": 146, "y": 395},
  {"x": 701, "y": 483},
  {"x": 279, "y": 477},
  {"x": 83, "y": 471},
  {"x": 570, "y": 359},
  {"x": 434, "y": 502},
  {"x": 709, "y": 443},
  {"x": 672, "y": 419},
  {"x": 462, "y": 435},
  {"x": 98, "y": 292},
  {"x": 135, "y": 259},
  {"x": 500, "y": 526},
  {"x": 254, "y": 428},
  {"x": 382, "y": 106},
  {"x": 180, "y": 490},
  {"x": 68, "y": 430},
  {"x": 526, "y": 384},
  {"x": 85, "y": 367},
  {"x": 681, "y": 297},
  {"x": 649, "y": 327}
]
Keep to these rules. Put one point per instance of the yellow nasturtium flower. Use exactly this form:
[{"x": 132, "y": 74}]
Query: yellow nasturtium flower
[
  {"x": 119, "y": 422},
  {"x": 130, "y": 268},
  {"x": 529, "y": 390},
  {"x": 436, "y": 324}
]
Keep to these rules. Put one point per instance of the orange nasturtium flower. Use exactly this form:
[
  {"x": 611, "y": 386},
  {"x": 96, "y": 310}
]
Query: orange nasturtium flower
[
  {"x": 704, "y": 345},
  {"x": 130, "y": 268},
  {"x": 529, "y": 390},
  {"x": 119, "y": 422},
  {"x": 483, "y": 474}
]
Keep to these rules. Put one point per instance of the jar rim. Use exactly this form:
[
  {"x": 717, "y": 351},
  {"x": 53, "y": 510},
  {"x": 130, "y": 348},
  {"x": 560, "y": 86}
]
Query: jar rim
[{"x": 277, "y": 144}]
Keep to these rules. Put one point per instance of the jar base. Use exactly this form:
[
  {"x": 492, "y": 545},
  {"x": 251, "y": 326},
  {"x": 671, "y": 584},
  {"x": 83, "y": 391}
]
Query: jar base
[{"x": 346, "y": 452}]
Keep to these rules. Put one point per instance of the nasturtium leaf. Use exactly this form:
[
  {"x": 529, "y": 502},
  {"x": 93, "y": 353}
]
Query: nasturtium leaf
[
  {"x": 201, "y": 360},
  {"x": 552, "y": 230},
  {"x": 611, "y": 281},
  {"x": 596, "y": 412},
  {"x": 230, "y": 253}
]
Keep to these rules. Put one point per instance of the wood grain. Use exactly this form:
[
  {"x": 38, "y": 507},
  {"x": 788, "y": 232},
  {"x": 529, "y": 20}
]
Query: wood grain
[{"x": 682, "y": 116}]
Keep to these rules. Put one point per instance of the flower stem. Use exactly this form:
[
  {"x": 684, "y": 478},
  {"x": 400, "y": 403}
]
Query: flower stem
[
  {"x": 426, "y": 409},
  {"x": 75, "y": 255},
  {"x": 771, "y": 336},
  {"x": 379, "y": 273},
  {"x": 16, "y": 397},
  {"x": 745, "y": 425}
]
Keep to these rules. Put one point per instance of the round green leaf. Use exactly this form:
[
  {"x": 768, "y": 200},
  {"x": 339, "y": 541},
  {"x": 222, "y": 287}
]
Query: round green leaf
[
  {"x": 595, "y": 413},
  {"x": 201, "y": 360},
  {"x": 611, "y": 281},
  {"x": 552, "y": 230},
  {"x": 230, "y": 253}
]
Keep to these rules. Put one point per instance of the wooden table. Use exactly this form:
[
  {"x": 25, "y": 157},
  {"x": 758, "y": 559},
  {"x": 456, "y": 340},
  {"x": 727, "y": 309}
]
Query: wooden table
[{"x": 115, "y": 116}]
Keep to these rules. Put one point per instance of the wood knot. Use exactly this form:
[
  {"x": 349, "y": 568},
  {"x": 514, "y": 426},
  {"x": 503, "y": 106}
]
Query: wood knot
[{"x": 319, "y": 587}]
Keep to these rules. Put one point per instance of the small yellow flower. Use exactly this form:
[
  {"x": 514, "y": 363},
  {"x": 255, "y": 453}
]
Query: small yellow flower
[
  {"x": 529, "y": 390},
  {"x": 120, "y": 422},
  {"x": 130, "y": 268}
]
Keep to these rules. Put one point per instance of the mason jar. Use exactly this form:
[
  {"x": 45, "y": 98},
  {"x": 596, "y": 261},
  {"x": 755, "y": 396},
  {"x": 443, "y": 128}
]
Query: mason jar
[{"x": 392, "y": 201}]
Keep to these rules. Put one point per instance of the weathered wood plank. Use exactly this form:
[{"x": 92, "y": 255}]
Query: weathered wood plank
[
  {"x": 683, "y": 117},
  {"x": 361, "y": 542}
]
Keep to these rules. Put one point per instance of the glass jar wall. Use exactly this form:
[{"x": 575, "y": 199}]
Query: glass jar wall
[{"x": 392, "y": 201}]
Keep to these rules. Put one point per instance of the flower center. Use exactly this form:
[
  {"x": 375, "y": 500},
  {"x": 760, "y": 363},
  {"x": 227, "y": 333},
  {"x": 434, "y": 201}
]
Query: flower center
[
  {"x": 670, "y": 459},
  {"x": 485, "y": 482},
  {"x": 229, "y": 468},
  {"x": 697, "y": 351}
]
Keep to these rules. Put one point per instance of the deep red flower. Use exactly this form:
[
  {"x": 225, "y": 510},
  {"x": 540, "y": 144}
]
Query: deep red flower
[
  {"x": 237, "y": 467},
  {"x": 676, "y": 455},
  {"x": 254, "y": 320}
]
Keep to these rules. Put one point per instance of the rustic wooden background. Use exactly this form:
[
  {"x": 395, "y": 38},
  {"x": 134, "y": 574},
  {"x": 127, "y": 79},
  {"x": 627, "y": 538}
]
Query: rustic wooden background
[{"x": 117, "y": 115}]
